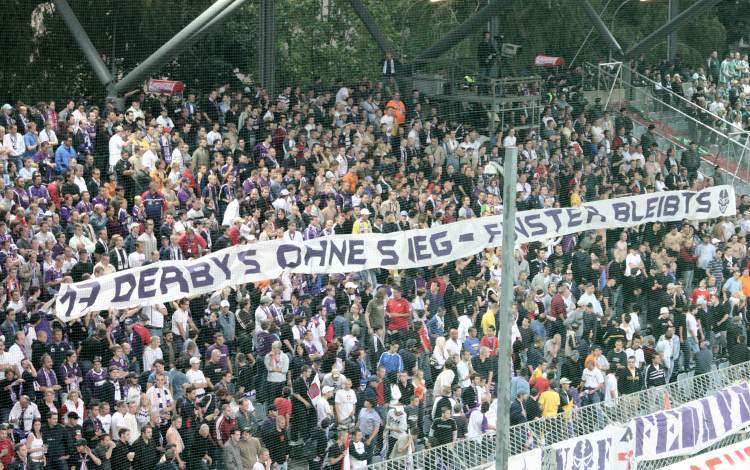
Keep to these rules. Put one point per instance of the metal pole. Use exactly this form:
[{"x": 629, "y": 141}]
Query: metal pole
[
  {"x": 83, "y": 41},
  {"x": 672, "y": 11},
  {"x": 686, "y": 15},
  {"x": 170, "y": 48},
  {"x": 267, "y": 45},
  {"x": 586, "y": 39},
  {"x": 604, "y": 32},
  {"x": 371, "y": 25},
  {"x": 502, "y": 429},
  {"x": 460, "y": 32}
]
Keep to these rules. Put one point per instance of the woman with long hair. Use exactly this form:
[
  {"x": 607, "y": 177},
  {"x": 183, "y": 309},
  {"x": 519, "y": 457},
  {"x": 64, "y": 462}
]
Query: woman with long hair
[{"x": 36, "y": 445}]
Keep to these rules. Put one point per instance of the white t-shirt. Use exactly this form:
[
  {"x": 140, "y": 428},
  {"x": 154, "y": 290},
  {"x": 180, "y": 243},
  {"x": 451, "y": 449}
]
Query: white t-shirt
[
  {"x": 345, "y": 400},
  {"x": 610, "y": 390},
  {"x": 452, "y": 347},
  {"x": 115, "y": 152},
  {"x": 474, "y": 427},
  {"x": 692, "y": 326},
  {"x": 179, "y": 317},
  {"x": 592, "y": 378},
  {"x": 194, "y": 377}
]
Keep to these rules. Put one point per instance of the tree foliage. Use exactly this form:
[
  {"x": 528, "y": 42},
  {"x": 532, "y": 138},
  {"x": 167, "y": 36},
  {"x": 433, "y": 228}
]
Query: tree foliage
[{"x": 317, "y": 38}]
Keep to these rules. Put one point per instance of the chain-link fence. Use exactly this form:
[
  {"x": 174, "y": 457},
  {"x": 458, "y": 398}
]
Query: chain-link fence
[{"x": 474, "y": 453}]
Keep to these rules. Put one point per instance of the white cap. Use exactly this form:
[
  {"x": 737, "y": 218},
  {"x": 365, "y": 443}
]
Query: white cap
[
  {"x": 285, "y": 192},
  {"x": 350, "y": 285},
  {"x": 364, "y": 211},
  {"x": 195, "y": 360},
  {"x": 664, "y": 310},
  {"x": 327, "y": 389},
  {"x": 224, "y": 303}
]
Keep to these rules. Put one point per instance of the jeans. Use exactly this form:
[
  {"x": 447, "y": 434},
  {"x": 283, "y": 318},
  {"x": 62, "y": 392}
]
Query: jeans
[{"x": 687, "y": 279}]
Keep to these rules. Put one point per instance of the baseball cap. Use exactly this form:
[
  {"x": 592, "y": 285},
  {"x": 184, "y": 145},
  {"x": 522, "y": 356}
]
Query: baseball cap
[
  {"x": 364, "y": 211},
  {"x": 224, "y": 303},
  {"x": 564, "y": 380},
  {"x": 404, "y": 214},
  {"x": 664, "y": 310},
  {"x": 327, "y": 389},
  {"x": 350, "y": 285},
  {"x": 195, "y": 360}
]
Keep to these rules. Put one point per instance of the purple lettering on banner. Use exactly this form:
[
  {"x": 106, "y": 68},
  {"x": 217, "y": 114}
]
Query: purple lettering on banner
[
  {"x": 687, "y": 196},
  {"x": 651, "y": 205},
  {"x": 622, "y": 211},
  {"x": 338, "y": 252},
  {"x": 443, "y": 248},
  {"x": 662, "y": 431},
  {"x": 604, "y": 448},
  {"x": 671, "y": 205},
  {"x": 69, "y": 297},
  {"x": 314, "y": 253},
  {"x": 145, "y": 280},
  {"x": 89, "y": 300},
  {"x": 173, "y": 275},
  {"x": 385, "y": 248},
  {"x": 724, "y": 403},
  {"x": 689, "y": 423},
  {"x": 743, "y": 398},
  {"x": 708, "y": 431},
  {"x": 126, "y": 278},
  {"x": 247, "y": 257},
  {"x": 493, "y": 230},
  {"x": 356, "y": 252},
  {"x": 555, "y": 214},
  {"x": 281, "y": 256},
  {"x": 592, "y": 212},
  {"x": 200, "y": 274},
  {"x": 574, "y": 217},
  {"x": 420, "y": 248},
  {"x": 223, "y": 264},
  {"x": 520, "y": 228},
  {"x": 704, "y": 202},
  {"x": 534, "y": 222}
]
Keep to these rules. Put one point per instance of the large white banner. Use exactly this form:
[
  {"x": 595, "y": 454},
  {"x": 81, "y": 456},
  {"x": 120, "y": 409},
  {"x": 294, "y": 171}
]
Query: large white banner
[
  {"x": 733, "y": 457},
  {"x": 166, "y": 281},
  {"x": 530, "y": 460},
  {"x": 691, "y": 427},
  {"x": 595, "y": 451}
]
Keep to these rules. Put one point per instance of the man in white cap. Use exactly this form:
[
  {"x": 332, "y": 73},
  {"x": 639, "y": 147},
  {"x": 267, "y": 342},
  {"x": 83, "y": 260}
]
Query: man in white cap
[
  {"x": 322, "y": 407},
  {"x": 196, "y": 378},
  {"x": 362, "y": 224}
]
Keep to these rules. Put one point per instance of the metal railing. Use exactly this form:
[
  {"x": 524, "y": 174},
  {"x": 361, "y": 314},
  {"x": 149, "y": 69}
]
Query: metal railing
[
  {"x": 676, "y": 110},
  {"x": 543, "y": 433}
]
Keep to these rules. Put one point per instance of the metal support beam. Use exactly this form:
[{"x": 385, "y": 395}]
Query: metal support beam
[
  {"x": 83, "y": 41},
  {"x": 267, "y": 45},
  {"x": 504, "y": 359},
  {"x": 602, "y": 28},
  {"x": 372, "y": 27},
  {"x": 457, "y": 34},
  {"x": 219, "y": 19},
  {"x": 171, "y": 48},
  {"x": 652, "y": 39},
  {"x": 673, "y": 11}
]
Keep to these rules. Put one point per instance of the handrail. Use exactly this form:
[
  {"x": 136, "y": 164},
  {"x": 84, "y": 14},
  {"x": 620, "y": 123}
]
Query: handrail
[
  {"x": 548, "y": 431},
  {"x": 687, "y": 116},
  {"x": 672, "y": 93}
]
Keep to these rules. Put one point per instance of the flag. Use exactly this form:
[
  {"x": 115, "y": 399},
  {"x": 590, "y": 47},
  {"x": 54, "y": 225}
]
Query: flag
[{"x": 314, "y": 389}]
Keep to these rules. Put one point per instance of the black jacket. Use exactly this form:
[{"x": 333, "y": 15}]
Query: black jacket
[
  {"x": 146, "y": 455},
  {"x": 56, "y": 439}
]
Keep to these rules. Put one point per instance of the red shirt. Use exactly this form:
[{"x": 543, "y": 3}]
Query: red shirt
[
  {"x": 401, "y": 308},
  {"x": 7, "y": 444},
  {"x": 283, "y": 406},
  {"x": 698, "y": 292},
  {"x": 143, "y": 333},
  {"x": 540, "y": 383},
  {"x": 491, "y": 343}
]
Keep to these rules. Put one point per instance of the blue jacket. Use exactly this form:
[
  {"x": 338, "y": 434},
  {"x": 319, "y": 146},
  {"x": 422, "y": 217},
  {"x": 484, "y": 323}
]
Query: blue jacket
[{"x": 63, "y": 155}]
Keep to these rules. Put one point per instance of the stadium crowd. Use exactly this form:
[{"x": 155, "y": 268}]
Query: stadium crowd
[{"x": 343, "y": 370}]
